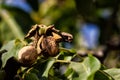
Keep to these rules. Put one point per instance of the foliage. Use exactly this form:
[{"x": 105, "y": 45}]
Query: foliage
[
  {"x": 75, "y": 67},
  {"x": 12, "y": 47}
]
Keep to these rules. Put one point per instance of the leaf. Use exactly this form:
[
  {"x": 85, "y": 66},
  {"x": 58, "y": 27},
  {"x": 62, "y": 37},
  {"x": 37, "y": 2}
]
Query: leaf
[
  {"x": 114, "y": 72},
  {"x": 30, "y": 76},
  {"x": 49, "y": 65},
  {"x": 83, "y": 70},
  {"x": 67, "y": 54},
  {"x": 44, "y": 67},
  {"x": 12, "y": 48},
  {"x": 101, "y": 75}
]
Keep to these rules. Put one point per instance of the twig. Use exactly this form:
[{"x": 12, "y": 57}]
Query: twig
[{"x": 62, "y": 61}]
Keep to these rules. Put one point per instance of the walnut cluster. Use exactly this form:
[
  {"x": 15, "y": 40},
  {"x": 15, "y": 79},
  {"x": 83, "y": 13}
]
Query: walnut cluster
[{"x": 45, "y": 41}]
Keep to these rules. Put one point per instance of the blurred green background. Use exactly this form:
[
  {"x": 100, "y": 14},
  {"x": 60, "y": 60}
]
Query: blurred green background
[{"x": 94, "y": 24}]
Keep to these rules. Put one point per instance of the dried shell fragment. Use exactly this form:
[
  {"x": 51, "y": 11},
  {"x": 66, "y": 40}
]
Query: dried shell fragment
[
  {"x": 32, "y": 31},
  {"x": 67, "y": 37}
]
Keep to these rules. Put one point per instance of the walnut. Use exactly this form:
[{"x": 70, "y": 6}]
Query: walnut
[
  {"x": 45, "y": 41},
  {"x": 27, "y": 55},
  {"x": 49, "y": 46}
]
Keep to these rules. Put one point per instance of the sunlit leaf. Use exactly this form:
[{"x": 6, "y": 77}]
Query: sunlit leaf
[
  {"x": 12, "y": 48},
  {"x": 114, "y": 72},
  {"x": 83, "y": 70}
]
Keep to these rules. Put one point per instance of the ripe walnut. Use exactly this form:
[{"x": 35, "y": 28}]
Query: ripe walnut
[
  {"x": 27, "y": 55},
  {"x": 49, "y": 46},
  {"x": 45, "y": 41}
]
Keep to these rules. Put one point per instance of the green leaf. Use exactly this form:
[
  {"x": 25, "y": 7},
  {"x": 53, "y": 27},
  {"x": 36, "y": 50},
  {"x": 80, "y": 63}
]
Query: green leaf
[
  {"x": 12, "y": 48},
  {"x": 66, "y": 54},
  {"x": 83, "y": 70},
  {"x": 49, "y": 65},
  {"x": 30, "y": 76},
  {"x": 114, "y": 72},
  {"x": 101, "y": 75},
  {"x": 44, "y": 66}
]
